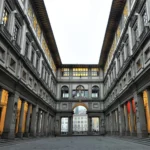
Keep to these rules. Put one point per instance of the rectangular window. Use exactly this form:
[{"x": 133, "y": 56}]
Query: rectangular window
[
  {"x": 37, "y": 63},
  {"x": 94, "y": 72},
  {"x": 135, "y": 29},
  {"x": 65, "y": 72},
  {"x": 5, "y": 17},
  {"x": 80, "y": 72},
  {"x": 127, "y": 48},
  {"x": 147, "y": 54},
  {"x": 119, "y": 63},
  {"x": 144, "y": 15},
  {"x": 24, "y": 75},
  {"x": 2, "y": 54},
  {"x": 139, "y": 65},
  {"x": 32, "y": 56},
  {"x": 13, "y": 64},
  {"x": 26, "y": 49},
  {"x": 16, "y": 33}
]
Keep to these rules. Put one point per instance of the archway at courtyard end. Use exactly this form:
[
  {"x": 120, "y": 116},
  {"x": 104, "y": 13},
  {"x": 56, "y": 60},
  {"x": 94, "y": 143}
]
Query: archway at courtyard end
[{"x": 80, "y": 120}]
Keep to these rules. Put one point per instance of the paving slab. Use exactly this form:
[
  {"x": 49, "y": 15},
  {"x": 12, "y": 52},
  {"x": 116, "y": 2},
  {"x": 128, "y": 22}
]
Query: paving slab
[{"x": 76, "y": 143}]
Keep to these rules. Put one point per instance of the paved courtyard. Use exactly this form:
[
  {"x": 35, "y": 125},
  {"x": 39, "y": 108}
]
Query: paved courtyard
[{"x": 75, "y": 143}]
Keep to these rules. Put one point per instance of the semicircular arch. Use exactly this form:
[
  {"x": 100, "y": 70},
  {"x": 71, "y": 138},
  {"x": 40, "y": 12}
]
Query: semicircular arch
[{"x": 79, "y": 104}]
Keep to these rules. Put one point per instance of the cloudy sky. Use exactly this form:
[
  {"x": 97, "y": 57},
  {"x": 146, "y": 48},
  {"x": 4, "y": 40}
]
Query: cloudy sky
[{"x": 79, "y": 27}]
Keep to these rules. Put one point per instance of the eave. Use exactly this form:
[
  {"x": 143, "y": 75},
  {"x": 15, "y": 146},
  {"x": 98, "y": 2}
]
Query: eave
[
  {"x": 40, "y": 10},
  {"x": 113, "y": 21}
]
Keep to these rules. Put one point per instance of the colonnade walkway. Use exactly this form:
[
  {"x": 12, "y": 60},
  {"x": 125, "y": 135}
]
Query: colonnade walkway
[{"x": 74, "y": 143}]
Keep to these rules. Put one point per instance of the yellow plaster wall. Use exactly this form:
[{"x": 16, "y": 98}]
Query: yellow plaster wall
[
  {"x": 147, "y": 110},
  {"x": 18, "y": 114},
  {"x": 3, "y": 105}
]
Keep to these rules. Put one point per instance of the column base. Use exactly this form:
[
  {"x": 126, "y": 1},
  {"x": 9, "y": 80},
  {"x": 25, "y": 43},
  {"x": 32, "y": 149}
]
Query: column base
[
  {"x": 19, "y": 135},
  {"x": 26, "y": 134},
  {"x": 33, "y": 134},
  {"x": 144, "y": 134},
  {"x": 127, "y": 133},
  {"x": 8, "y": 135}
]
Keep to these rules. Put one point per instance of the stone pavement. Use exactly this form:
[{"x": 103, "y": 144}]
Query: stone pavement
[{"x": 74, "y": 143}]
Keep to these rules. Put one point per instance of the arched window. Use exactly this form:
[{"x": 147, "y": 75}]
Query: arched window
[
  {"x": 95, "y": 92},
  {"x": 80, "y": 91},
  {"x": 64, "y": 92}
]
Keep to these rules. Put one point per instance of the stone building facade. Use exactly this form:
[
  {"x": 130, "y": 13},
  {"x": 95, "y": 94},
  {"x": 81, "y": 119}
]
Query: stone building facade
[{"x": 37, "y": 90}]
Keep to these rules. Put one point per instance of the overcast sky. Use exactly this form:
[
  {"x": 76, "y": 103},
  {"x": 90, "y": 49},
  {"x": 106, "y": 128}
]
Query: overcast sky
[{"x": 79, "y": 27}]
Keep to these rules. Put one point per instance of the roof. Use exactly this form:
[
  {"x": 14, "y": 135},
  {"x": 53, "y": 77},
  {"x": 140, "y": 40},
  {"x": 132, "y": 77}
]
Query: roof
[
  {"x": 113, "y": 21},
  {"x": 40, "y": 10}
]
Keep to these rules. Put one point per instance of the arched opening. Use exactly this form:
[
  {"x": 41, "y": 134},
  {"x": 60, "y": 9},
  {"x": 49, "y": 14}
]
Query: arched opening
[
  {"x": 64, "y": 125},
  {"x": 95, "y": 92},
  {"x": 64, "y": 92},
  {"x": 80, "y": 120},
  {"x": 95, "y": 125}
]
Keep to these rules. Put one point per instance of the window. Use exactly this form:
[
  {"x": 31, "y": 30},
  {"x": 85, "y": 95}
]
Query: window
[
  {"x": 30, "y": 81},
  {"x": 16, "y": 33},
  {"x": 2, "y": 54},
  {"x": 5, "y": 17},
  {"x": 123, "y": 56},
  {"x": 26, "y": 49},
  {"x": 65, "y": 72},
  {"x": 64, "y": 92},
  {"x": 139, "y": 65},
  {"x": 80, "y": 72},
  {"x": 37, "y": 63},
  {"x": 147, "y": 54},
  {"x": 32, "y": 56},
  {"x": 95, "y": 92},
  {"x": 94, "y": 72},
  {"x": 24, "y": 75},
  {"x": 144, "y": 15},
  {"x": 119, "y": 62},
  {"x": 127, "y": 48},
  {"x": 135, "y": 30},
  {"x": 12, "y": 64},
  {"x": 80, "y": 91}
]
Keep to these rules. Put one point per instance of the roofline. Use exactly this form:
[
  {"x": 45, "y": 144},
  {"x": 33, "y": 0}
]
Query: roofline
[
  {"x": 79, "y": 65},
  {"x": 41, "y": 12},
  {"x": 112, "y": 25}
]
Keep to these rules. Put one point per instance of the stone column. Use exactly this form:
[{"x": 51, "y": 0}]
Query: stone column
[
  {"x": 131, "y": 119},
  {"x": 20, "y": 133},
  {"x": 42, "y": 123},
  {"x": 57, "y": 125},
  {"x": 51, "y": 125},
  {"x": 39, "y": 128},
  {"x": 70, "y": 125},
  {"x": 26, "y": 134},
  {"x": 1, "y": 9},
  {"x": 148, "y": 96},
  {"x": 89, "y": 125},
  {"x": 121, "y": 120},
  {"x": 34, "y": 120},
  {"x": 140, "y": 115},
  {"x": 102, "y": 124},
  {"x": 1, "y": 90},
  {"x": 126, "y": 120},
  {"x": 113, "y": 123},
  {"x": 10, "y": 120},
  {"x": 46, "y": 124},
  {"x": 110, "y": 121}
]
